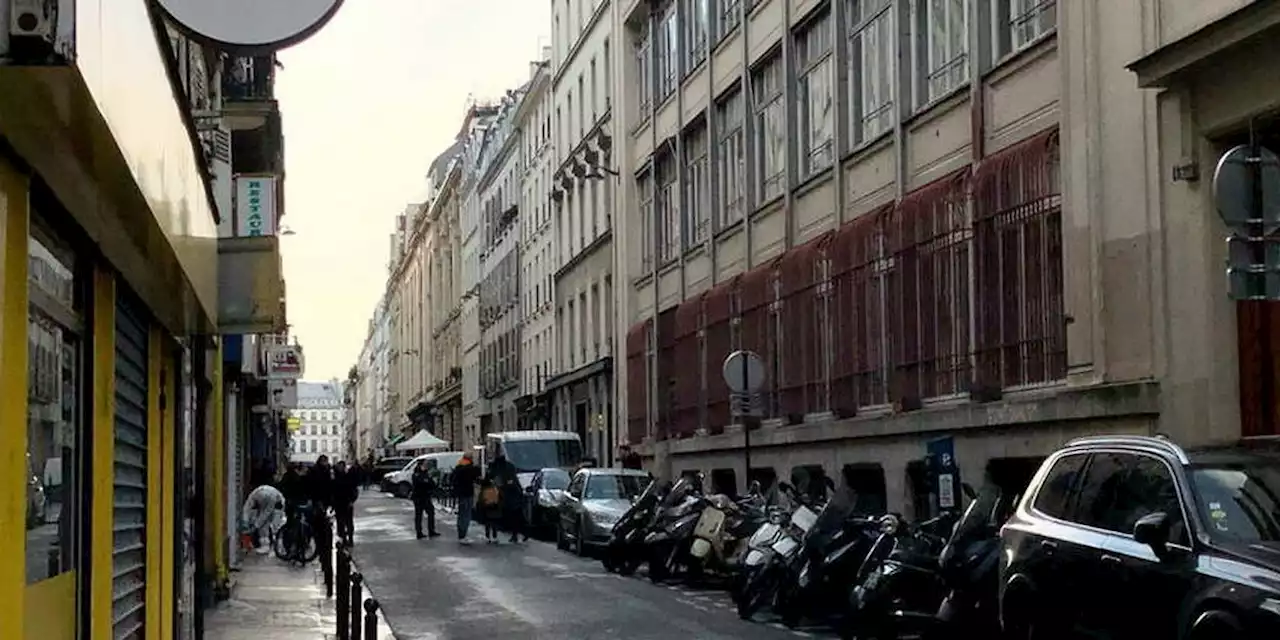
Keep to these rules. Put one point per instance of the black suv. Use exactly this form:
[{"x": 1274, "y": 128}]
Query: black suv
[{"x": 1134, "y": 537}]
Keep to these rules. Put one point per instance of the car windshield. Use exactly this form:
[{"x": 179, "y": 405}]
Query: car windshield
[
  {"x": 1239, "y": 501},
  {"x": 555, "y": 480},
  {"x": 612, "y": 487},
  {"x": 532, "y": 455}
]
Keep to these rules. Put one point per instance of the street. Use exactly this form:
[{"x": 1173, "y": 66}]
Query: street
[{"x": 441, "y": 590}]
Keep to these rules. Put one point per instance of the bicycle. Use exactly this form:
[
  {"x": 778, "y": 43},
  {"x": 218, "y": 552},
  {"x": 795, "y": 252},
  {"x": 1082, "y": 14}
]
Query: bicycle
[{"x": 295, "y": 542}]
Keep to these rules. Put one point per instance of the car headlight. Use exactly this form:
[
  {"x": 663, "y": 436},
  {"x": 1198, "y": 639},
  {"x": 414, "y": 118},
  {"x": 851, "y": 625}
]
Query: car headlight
[
  {"x": 608, "y": 519},
  {"x": 1272, "y": 605}
]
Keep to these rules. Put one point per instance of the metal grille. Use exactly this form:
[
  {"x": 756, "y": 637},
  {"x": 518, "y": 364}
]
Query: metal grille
[{"x": 129, "y": 511}]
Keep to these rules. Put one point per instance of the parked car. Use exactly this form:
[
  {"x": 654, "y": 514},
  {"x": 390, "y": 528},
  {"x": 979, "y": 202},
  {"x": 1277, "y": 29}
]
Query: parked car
[
  {"x": 386, "y": 466},
  {"x": 593, "y": 503},
  {"x": 1135, "y": 537},
  {"x": 545, "y": 493},
  {"x": 440, "y": 463}
]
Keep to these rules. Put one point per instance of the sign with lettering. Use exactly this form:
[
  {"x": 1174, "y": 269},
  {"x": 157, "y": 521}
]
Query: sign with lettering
[
  {"x": 255, "y": 205},
  {"x": 284, "y": 361}
]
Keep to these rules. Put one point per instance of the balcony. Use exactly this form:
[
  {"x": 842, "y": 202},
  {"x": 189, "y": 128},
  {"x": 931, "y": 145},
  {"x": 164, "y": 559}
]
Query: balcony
[
  {"x": 248, "y": 91},
  {"x": 95, "y": 115}
]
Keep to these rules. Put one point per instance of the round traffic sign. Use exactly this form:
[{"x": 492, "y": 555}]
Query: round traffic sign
[
  {"x": 1246, "y": 188},
  {"x": 250, "y": 25},
  {"x": 743, "y": 371}
]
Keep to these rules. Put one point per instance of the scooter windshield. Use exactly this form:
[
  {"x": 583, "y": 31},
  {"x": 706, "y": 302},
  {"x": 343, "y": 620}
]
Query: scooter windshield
[
  {"x": 683, "y": 488},
  {"x": 832, "y": 517}
]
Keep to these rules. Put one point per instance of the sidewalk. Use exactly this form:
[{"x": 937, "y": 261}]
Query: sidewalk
[{"x": 272, "y": 601}]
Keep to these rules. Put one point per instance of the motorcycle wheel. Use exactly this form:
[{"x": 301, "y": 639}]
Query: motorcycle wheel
[
  {"x": 659, "y": 562},
  {"x": 611, "y": 559},
  {"x": 628, "y": 567},
  {"x": 757, "y": 591},
  {"x": 788, "y": 606}
]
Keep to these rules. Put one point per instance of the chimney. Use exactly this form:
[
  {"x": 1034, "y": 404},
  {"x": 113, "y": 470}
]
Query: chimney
[{"x": 546, "y": 53}]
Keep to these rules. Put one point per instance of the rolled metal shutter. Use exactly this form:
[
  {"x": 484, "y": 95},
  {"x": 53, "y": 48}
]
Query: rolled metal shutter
[{"x": 129, "y": 511}]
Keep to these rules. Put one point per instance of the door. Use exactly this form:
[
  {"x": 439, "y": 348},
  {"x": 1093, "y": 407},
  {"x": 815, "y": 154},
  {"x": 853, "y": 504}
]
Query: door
[
  {"x": 580, "y": 423},
  {"x": 129, "y": 509},
  {"x": 1036, "y": 547},
  {"x": 1150, "y": 586},
  {"x": 572, "y": 502}
]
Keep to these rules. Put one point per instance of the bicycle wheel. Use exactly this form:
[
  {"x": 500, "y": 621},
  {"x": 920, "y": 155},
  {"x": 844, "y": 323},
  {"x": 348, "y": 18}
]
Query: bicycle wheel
[
  {"x": 281, "y": 545},
  {"x": 308, "y": 550}
]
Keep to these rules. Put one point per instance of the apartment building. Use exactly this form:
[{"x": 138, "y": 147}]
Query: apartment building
[
  {"x": 498, "y": 187},
  {"x": 370, "y": 395},
  {"x": 537, "y": 242},
  {"x": 478, "y": 119},
  {"x": 411, "y": 355},
  {"x": 445, "y": 303},
  {"x": 320, "y": 421},
  {"x": 945, "y": 226},
  {"x": 580, "y": 389}
]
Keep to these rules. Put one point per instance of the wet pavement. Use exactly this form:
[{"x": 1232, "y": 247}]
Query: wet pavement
[
  {"x": 272, "y": 601},
  {"x": 442, "y": 590}
]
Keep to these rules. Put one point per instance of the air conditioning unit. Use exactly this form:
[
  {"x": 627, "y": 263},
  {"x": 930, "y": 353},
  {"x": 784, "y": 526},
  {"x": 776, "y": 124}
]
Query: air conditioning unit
[{"x": 33, "y": 19}]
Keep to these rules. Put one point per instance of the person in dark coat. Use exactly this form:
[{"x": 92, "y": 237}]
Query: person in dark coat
[
  {"x": 510, "y": 496},
  {"x": 320, "y": 490},
  {"x": 630, "y": 459},
  {"x": 424, "y": 486},
  {"x": 346, "y": 488}
]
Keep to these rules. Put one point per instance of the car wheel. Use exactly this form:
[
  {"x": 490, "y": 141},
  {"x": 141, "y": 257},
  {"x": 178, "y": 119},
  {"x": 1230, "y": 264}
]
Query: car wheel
[
  {"x": 404, "y": 490},
  {"x": 1215, "y": 625},
  {"x": 1018, "y": 615}
]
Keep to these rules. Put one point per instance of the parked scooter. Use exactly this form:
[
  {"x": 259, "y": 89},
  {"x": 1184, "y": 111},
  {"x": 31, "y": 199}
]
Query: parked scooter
[
  {"x": 669, "y": 539},
  {"x": 899, "y": 578},
  {"x": 768, "y": 562},
  {"x": 832, "y": 553},
  {"x": 720, "y": 537},
  {"x": 970, "y": 569},
  {"x": 626, "y": 549}
]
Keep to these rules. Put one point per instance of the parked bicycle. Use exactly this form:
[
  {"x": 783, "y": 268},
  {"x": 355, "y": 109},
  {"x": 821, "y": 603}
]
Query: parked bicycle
[{"x": 296, "y": 542}]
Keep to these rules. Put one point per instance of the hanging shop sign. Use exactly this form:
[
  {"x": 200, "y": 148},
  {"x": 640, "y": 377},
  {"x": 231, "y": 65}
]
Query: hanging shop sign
[
  {"x": 284, "y": 362},
  {"x": 255, "y": 205},
  {"x": 283, "y": 393},
  {"x": 250, "y": 25}
]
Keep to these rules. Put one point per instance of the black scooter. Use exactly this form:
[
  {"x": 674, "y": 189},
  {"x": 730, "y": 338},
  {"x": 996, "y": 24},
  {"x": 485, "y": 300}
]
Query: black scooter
[
  {"x": 970, "y": 568},
  {"x": 668, "y": 540},
  {"x": 626, "y": 550}
]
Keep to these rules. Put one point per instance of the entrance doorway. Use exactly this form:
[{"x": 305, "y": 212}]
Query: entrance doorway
[{"x": 580, "y": 423}]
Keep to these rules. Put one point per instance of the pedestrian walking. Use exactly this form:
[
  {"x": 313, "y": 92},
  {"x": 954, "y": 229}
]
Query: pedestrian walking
[
  {"x": 346, "y": 489},
  {"x": 424, "y": 487},
  {"x": 465, "y": 476},
  {"x": 489, "y": 510}
]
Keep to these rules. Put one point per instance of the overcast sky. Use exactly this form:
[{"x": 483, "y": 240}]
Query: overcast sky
[{"x": 367, "y": 104}]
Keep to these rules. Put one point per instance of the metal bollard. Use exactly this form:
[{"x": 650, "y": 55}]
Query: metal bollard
[
  {"x": 371, "y": 619},
  {"x": 344, "y": 604},
  {"x": 357, "y": 594}
]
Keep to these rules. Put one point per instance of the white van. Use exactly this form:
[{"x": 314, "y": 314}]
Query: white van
[
  {"x": 533, "y": 451},
  {"x": 401, "y": 482}
]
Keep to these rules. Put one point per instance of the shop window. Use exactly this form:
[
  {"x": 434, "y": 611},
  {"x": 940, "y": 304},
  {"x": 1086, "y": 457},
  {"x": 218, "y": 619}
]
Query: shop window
[
  {"x": 866, "y": 481},
  {"x": 810, "y": 480},
  {"x": 54, "y": 392},
  {"x": 724, "y": 481}
]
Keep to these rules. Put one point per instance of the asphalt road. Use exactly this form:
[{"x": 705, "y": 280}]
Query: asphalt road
[{"x": 442, "y": 590}]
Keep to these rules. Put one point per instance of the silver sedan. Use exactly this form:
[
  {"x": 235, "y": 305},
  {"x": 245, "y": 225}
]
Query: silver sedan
[{"x": 593, "y": 503}]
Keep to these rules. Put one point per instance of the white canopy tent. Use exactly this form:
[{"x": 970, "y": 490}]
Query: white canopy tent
[{"x": 422, "y": 440}]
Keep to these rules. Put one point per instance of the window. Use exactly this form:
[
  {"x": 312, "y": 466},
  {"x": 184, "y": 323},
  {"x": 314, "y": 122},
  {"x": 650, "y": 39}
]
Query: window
[
  {"x": 942, "y": 41},
  {"x": 668, "y": 52},
  {"x": 732, "y": 158},
  {"x": 668, "y": 206},
  {"x": 644, "y": 191},
  {"x": 697, "y": 185},
  {"x": 697, "y": 32},
  {"x": 54, "y": 416},
  {"x": 730, "y": 14},
  {"x": 1053, "y": 497},
  {"x": 1120, "y": 488},
  {"x": 816, "y": 96},
  {"x": 644, "y": 77},
  {"x": 771, "y": 129},
  {"x": 1018, "y": 23},
  {"x": 871, "y": 55}
]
